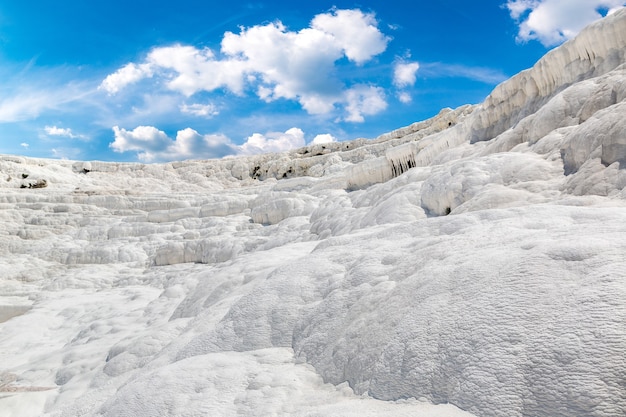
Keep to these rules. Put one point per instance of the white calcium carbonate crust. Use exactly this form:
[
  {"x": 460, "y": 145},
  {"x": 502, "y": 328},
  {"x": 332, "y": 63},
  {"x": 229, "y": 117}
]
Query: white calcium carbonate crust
[{"x": 469, "y": 264}]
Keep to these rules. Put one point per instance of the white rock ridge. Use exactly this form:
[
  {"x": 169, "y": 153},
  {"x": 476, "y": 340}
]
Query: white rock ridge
[{"x": 470, "y": 264}]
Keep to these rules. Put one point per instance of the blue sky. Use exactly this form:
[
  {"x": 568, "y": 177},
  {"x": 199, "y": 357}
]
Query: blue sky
[{"x": 153, "y": 81}]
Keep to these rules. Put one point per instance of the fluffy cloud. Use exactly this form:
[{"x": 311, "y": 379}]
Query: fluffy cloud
[
  {"x": 323, "y": 138},
  {"x": 154, "y": 145},
  {"x": 296, "y": 66},
  {"x": 141, "y": 138},
  {"x": 554, "y": 21},
  {"x": 404, "y": 76},
  {"x": 59, "y": 131},
  {"x": 404, "y": 97},
  {"x": 272, "y": 142},
  {"x": 191, "y": 144},
  {"x": 270, "y": 60},
  {"x": 190, "y": 70},
  {"x": 404, "y": 73},
  {"x": 364, "y": 100},
  {"x": 354, "y": 32},
  {"x": 128, "y": 74}
]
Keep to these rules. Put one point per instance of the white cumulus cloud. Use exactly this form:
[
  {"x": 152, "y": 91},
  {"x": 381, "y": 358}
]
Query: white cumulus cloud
[
  {"x": 190, "y": 70},
  {"x": 404, "y": 97},
  {"x": 323, "y": 138},
  {"x": 554, "y": 21},
  {"x": 269, "y": 60},
  {"x": 296, "y": 66},
  {"x": 301, "y": 65},
  {"x": 404, "y": 73},
  {"x": 128, "y": 74},
  {"x": 364, "y": 100},
  {"x": 191, "y": 144},
  {"x": 60, "y": 131},
  {"x": 354, "y": 31},
  {"x": 142, "y": 138},
  {"x": 153, "y": 145},
  {"x": 273, "y": 142}
]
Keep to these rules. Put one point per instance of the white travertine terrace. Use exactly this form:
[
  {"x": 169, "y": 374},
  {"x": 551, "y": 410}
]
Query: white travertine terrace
[{"x": 470, "y": 264}]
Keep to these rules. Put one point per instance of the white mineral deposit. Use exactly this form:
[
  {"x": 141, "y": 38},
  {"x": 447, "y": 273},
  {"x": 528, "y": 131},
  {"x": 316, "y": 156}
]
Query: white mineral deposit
[{"x": 470, "y": 264}]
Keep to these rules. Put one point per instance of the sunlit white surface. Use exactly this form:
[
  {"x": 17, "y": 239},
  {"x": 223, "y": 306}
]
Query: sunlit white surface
[{"x": 469, "y": 264}]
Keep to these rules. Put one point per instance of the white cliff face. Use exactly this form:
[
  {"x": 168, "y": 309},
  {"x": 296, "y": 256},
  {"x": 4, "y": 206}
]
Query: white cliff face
[
  {"x": 470, "y": 264},
  {"x": 596, "y": 51}
]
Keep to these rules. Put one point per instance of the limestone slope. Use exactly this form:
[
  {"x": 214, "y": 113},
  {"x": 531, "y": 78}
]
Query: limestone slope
[{"x": 469, "y": 264}]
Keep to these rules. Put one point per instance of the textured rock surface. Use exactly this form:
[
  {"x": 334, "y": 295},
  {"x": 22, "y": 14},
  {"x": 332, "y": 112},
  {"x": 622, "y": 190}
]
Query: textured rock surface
[{"x": 475, "y": 259}]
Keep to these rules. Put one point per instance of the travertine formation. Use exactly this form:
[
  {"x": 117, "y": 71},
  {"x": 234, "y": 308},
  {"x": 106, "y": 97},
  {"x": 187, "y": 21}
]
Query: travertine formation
[{"x": 475, "y": 259}]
